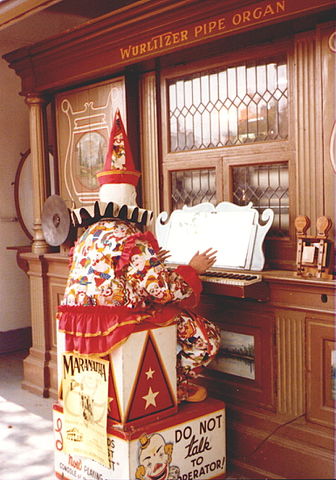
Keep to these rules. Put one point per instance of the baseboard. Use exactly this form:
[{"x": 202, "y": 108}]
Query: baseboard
[{"x": 14, "y": 340}]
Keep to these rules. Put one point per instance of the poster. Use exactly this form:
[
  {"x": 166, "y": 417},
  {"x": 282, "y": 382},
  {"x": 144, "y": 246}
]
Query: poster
[{"x": 85, "y": 397}]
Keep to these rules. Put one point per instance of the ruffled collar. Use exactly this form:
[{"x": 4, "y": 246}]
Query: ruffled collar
[{"x": 85, "y": 216}]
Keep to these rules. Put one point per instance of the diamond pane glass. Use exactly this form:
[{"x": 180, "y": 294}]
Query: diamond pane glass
[
  {"x": 190, "y": 187},
  {"x": 241, "y": 104},
  {"x": 266, "y": 186}
]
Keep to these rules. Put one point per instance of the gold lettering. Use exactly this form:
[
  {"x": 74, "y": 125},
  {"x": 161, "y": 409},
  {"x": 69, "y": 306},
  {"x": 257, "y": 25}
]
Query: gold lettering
[
  {"x": 125, "y": 52},
  {"x": 246, "y": 15},
  {"x": 176, "y": 37},
  {"x": 236, "y": 19},
  {"x": 198, "y": 30},
  {"x": 155, "y": 42},
  {"x": 173, "y": 38},
  {"x": 221, "y": 24},
  {"x": 135, "y": 50},
  {"x": 184, "y": 35},
  {"x": 161, "y": 41},
  {"x": 149, "y": 46},
  {"x": 268, "y": 10},
  {"x": 168, "y": 41},
  {"x": 257, "y": 13},
  {"x": 280, "y": 6},
  {"x": 212, "y": 26}
]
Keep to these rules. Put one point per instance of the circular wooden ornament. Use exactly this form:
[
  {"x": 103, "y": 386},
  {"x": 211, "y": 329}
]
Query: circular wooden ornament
[
  {"x": 302, "y": 223},
  {"x": 323, "y": 225}
]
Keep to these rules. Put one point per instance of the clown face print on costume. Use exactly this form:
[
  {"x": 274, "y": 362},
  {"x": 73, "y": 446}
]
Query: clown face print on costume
[
  {"x": 138, "y": 261},
  {"x": 155, "y": 455}
]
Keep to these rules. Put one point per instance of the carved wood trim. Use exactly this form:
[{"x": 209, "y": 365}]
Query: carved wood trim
[
  {"x": 80, "y": 54},
  {"x": 290, "y": 363},
  {"x": 39, "y": 156},
  {"x": 149, "y": 144},
  {"x": 309, "y": 152}
]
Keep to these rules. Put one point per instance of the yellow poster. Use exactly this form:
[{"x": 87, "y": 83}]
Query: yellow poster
[{"x": 85, "y": 397}]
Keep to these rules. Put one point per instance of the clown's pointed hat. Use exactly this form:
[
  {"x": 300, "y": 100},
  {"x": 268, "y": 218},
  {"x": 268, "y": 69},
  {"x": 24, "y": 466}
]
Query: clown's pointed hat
[
  {"x": 118, "y": 181},
  {"x": 119, "y": 165}
]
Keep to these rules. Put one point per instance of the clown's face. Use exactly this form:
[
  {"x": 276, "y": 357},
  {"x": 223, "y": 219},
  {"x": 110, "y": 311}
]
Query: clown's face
[
  {"x": 120, "y": 230},
  {"x": 105, "y": 295},
  {"x": 155, "y": 460},
  {"x": 138, "y": 261},
  {"x": 155, "y": 290},
  {"x": 81, "y": 297}
]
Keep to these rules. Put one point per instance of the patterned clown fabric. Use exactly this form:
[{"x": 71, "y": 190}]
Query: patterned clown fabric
[{"x": 117, "y": 285}]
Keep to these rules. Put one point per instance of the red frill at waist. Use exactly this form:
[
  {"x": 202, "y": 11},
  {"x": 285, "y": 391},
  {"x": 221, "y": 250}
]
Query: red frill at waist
[{"x": 96, "y": 330}]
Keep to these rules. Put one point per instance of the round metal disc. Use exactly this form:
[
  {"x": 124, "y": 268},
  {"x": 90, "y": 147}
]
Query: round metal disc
[{"x": 55, "y": 220}]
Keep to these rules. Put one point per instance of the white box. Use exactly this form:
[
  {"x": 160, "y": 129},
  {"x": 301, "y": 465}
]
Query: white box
[
  {"x": 142, "y": 376},
  {"x": 187, "y": 446}
]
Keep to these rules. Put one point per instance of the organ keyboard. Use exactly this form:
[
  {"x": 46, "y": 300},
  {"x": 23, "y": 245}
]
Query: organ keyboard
[
  {"x": 231, "y": 278},
  {"x": 235, "y": 284}
]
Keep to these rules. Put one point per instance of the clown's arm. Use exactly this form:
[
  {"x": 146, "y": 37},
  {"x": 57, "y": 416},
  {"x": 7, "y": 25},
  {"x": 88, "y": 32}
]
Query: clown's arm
[{"x": 159, "y": 284}]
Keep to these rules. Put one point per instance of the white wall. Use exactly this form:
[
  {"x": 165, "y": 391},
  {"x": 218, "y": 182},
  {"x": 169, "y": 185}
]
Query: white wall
[{"x": 14, "y": 138}]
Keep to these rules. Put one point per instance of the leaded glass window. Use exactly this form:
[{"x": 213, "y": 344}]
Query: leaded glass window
[
  {"x": 238, "y": 105},
  {"x": 266, "y": 186},
  {"x": 190, "y": 187}
]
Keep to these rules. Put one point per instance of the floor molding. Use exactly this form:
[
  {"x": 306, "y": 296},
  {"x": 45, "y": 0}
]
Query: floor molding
[{"x": 14, "y": 340}]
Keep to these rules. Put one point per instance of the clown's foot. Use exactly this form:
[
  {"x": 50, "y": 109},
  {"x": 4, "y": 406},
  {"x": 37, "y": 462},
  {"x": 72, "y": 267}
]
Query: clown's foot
[{"x": 191, "y": 392}]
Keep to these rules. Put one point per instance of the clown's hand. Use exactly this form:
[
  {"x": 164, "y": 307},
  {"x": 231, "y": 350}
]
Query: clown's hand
[
  {"x": 162, "y": 255},
  {"x": 202, "y": 261}
]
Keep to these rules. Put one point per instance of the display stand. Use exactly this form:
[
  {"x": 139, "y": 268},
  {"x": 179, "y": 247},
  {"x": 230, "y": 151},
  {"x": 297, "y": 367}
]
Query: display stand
[
  {"x": 148, "y": 434},
  {"x": 313, "y": 255}
]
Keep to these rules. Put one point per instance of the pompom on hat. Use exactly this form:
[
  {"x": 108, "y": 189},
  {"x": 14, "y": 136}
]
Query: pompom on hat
[{"x": 119, "y": 165}]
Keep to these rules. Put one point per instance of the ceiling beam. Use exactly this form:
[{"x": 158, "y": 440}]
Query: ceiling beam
[{"x": 12, "y": 11}]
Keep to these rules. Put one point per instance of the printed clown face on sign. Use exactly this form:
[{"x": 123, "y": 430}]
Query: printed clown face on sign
[{"x": 154, "y": 457}]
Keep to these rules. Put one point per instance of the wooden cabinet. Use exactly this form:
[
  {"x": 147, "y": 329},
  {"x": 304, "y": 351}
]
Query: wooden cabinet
[
  {"x": 275, "y": 370},
  {"x": 280, "y": 421}
]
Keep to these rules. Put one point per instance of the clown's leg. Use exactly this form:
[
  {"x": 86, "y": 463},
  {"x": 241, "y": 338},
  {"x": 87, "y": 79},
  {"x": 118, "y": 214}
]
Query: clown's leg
[{"x": 198, "y": 342}]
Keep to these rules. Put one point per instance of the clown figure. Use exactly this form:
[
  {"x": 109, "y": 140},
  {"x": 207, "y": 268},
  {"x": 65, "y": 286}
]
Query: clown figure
[{"x": 118, "y": 279}]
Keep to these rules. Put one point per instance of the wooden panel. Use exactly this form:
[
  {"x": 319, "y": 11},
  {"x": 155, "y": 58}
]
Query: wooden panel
[
  {"x": 309, "y": 175},
  {"x": 321, "y": 367},
  {"x": 84, "y": 119},
  {"x": 327, "y": 36},
  {"x": 290, "y": 363},
  {"x": 294, "y": 296},
  {"x": 57, "y": 275},
  {"x": 236, "y": 376},
  {"x": 149, "y": 144}
]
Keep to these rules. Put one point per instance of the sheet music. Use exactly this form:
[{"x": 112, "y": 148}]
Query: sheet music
[{"x": 226, "y": 232}]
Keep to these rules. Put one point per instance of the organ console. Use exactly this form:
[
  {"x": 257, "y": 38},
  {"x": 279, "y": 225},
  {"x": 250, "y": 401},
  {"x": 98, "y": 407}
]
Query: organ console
[{"x": 232, "y": 230}]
